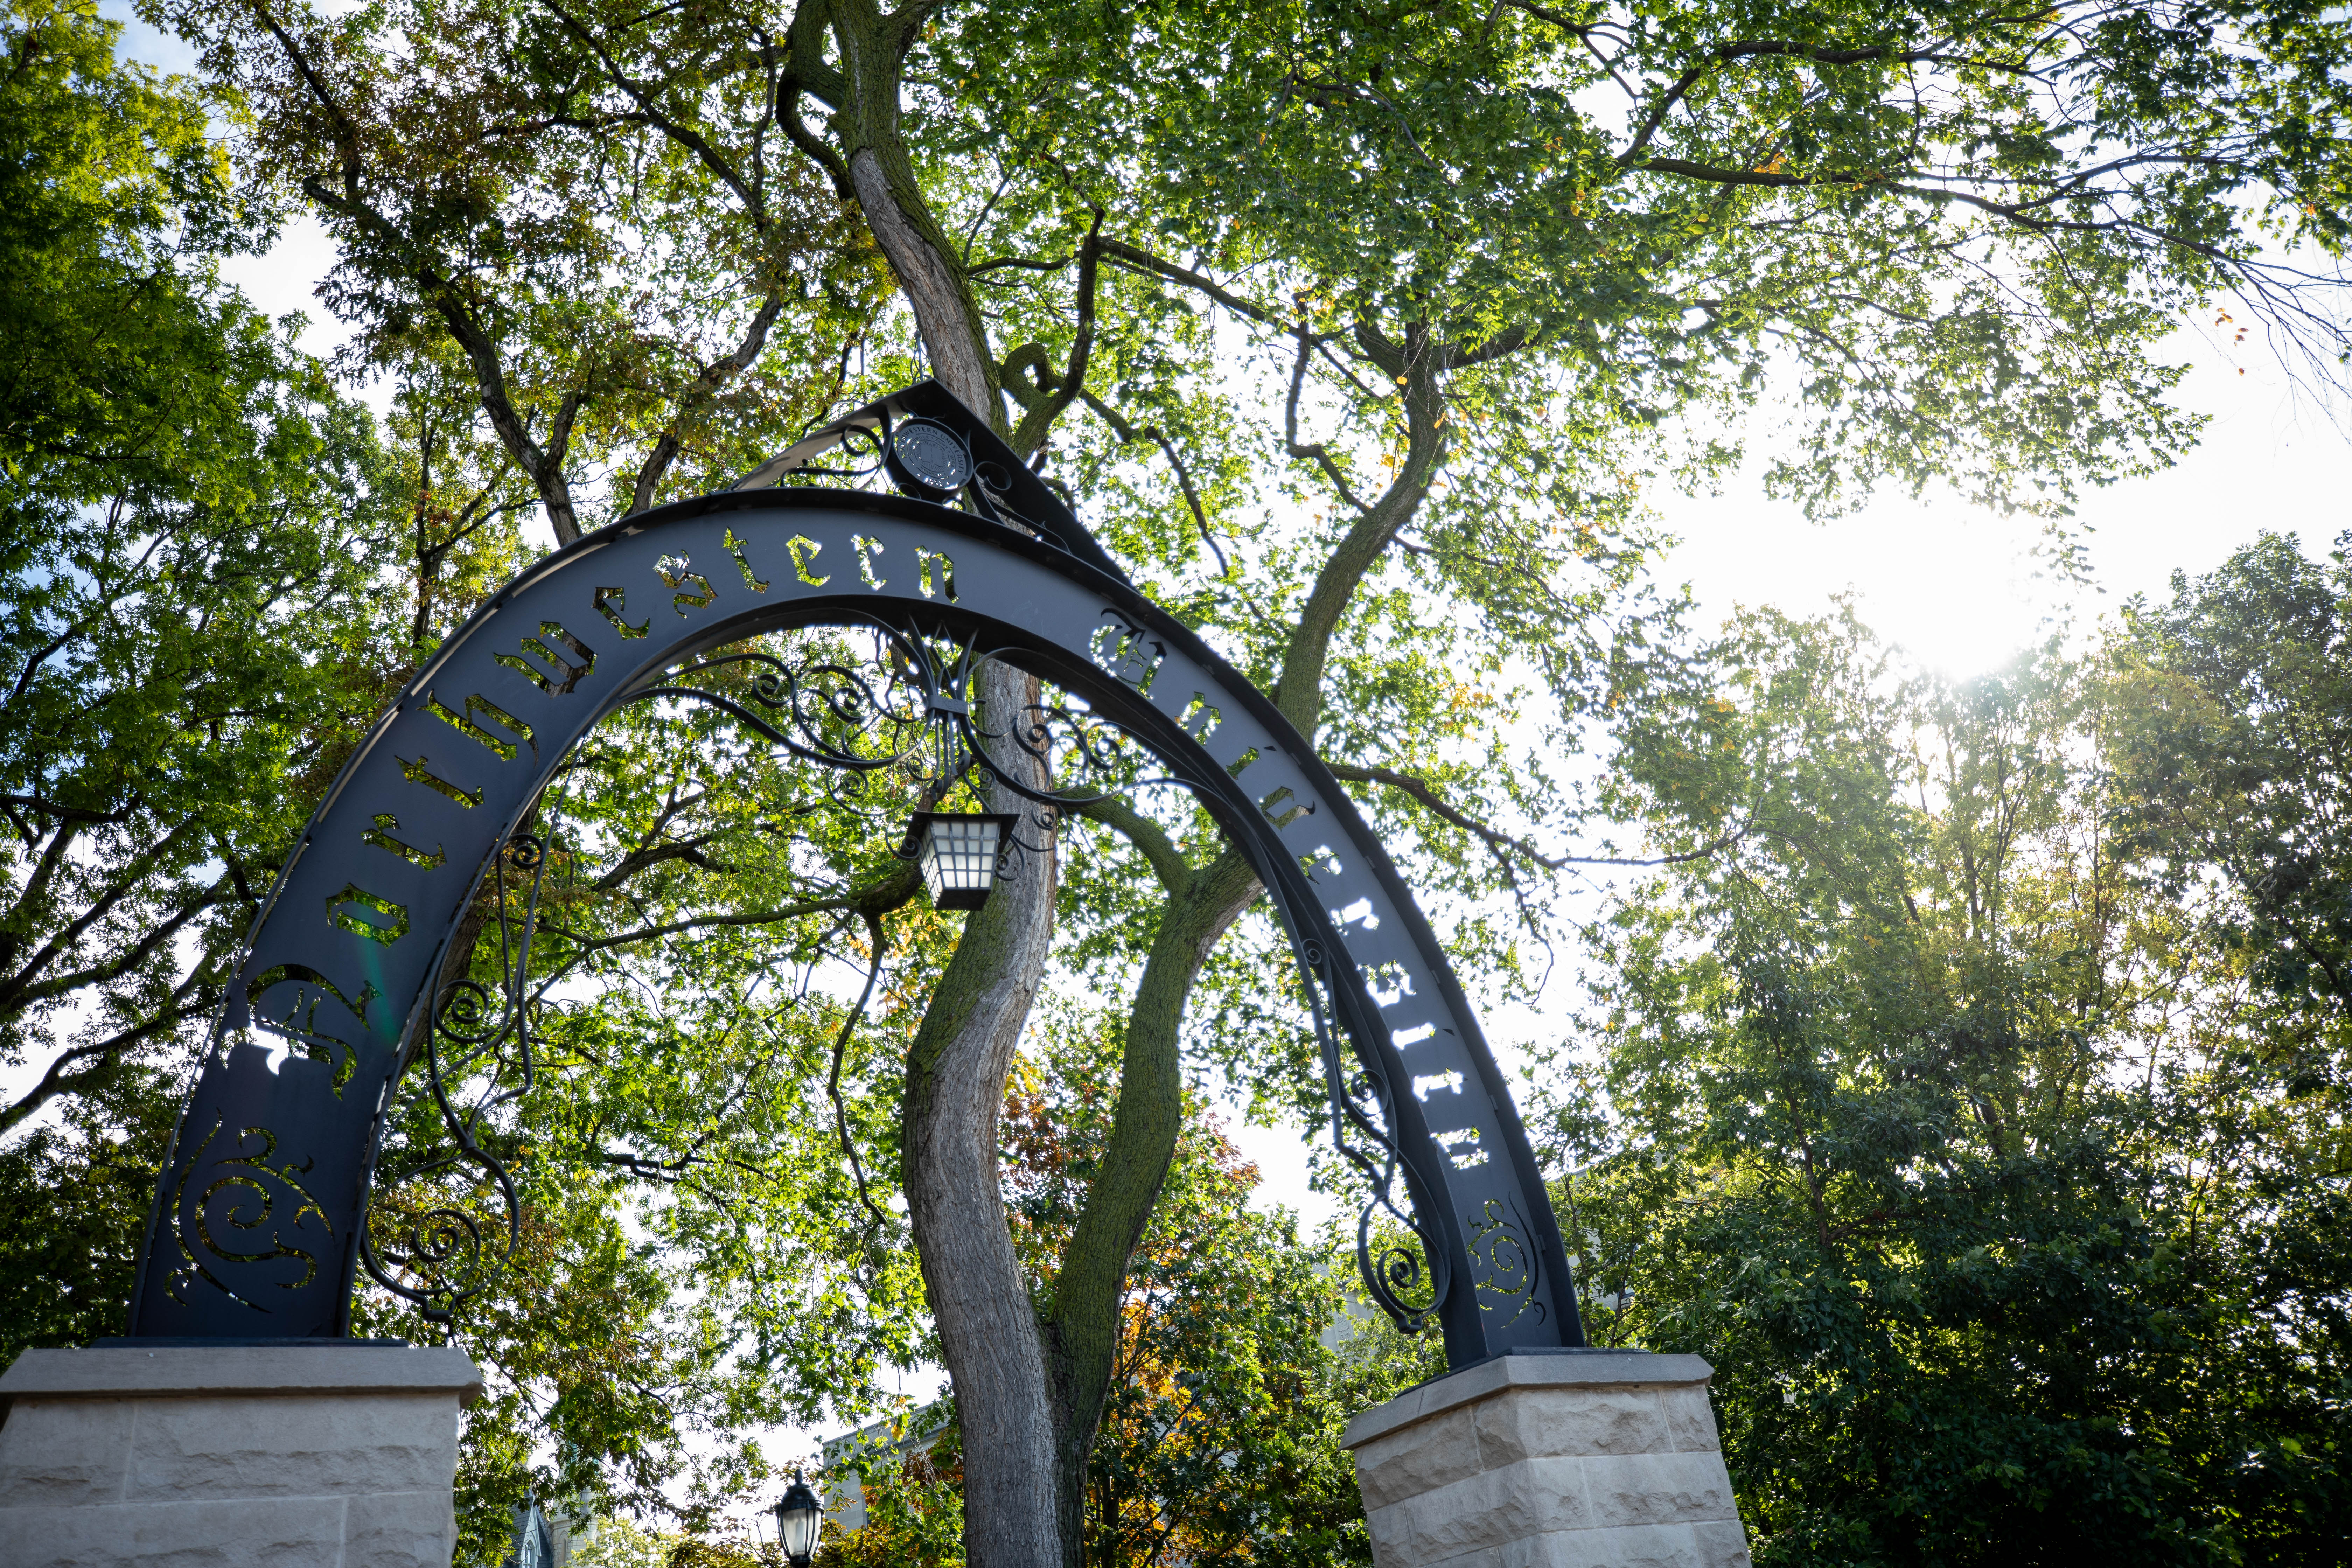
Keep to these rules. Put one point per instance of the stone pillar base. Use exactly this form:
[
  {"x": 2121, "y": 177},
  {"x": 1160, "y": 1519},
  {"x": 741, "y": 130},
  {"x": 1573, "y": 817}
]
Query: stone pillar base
[
  {"x": 306, "y": 1454},
  {"x": 1573, "y": 1460}
]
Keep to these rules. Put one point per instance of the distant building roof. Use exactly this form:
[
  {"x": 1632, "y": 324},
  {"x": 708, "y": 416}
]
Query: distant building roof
[{"x": 911, "y": 1432}]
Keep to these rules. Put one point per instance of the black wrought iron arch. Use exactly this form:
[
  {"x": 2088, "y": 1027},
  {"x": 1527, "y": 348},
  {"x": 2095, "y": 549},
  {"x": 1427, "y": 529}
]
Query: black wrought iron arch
[{"x": 257, "y": 1227}]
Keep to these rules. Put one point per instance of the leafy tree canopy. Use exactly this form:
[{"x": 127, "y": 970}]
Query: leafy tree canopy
[
  {"x": 1992, "y": 1163},
  {"x": 1362, "y": 334}
]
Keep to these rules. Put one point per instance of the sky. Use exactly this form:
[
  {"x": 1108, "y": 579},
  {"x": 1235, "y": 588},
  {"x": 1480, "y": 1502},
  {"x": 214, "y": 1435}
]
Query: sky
[
  {"x": 1960, "y": 588},
  {"x": 1957, "y": 585}
]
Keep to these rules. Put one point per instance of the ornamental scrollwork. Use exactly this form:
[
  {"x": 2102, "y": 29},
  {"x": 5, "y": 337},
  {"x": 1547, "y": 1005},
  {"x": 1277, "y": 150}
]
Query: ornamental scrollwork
[
  {"x": 235, "y": 1212},
  {"x": 445, "y": 1221},
  {"x": 1499, "y": 1239},
  {"x": 1411, "y": 1286},
  {"x": 909, "y": 711}
]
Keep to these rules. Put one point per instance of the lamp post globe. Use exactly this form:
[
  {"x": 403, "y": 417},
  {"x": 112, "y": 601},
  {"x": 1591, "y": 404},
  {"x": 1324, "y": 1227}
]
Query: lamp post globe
[{"x": 798, "y": 1518}]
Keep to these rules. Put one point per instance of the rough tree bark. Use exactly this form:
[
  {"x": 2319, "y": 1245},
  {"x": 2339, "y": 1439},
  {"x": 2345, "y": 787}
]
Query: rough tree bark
[
  {"x": 958, "y": 1067},
  {"x": 956, "y": 1076}
]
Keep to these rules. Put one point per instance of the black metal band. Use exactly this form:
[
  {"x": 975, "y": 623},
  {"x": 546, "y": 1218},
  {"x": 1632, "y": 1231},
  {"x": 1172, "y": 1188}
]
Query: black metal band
[{"x": 259, "y": 1217}]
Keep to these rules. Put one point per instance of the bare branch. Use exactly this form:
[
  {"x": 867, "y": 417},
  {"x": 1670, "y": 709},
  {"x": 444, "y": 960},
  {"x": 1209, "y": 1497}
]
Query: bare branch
[
  {"x": 1502, "y": 843},
  {"x": 1315, "y": 450},
  {"x": 1139, "y": 260}
]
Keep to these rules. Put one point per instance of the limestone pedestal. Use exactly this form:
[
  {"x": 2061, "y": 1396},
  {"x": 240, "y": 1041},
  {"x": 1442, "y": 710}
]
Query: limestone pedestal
[
  {"x": 1577, "y": 1459},
  {"x": 325, "y": 1454}
]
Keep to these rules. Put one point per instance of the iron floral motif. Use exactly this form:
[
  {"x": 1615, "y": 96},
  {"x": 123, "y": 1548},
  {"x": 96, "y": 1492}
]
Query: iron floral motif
[
  {"x": 440, "y": 1254},
  {"x": 233, "y": 1188}
]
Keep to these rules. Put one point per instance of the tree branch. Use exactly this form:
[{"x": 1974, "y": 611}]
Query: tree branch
[
  {"x": 58, "y": 1079},
  {"x": 1130, "y": 434},
  {"x": 1168, "y": 862},
  {"x": 705, "y": 385},
  {"x": 1315, "y": 450},
  {"x": 881, "y": 895},
  {"x": 1038, "y": 420},
  {"x": 833, "y": 1083},
  {"x": 1139, "y": 260},
  {"x": 440, "y": 292},
  {"x": 1501, "y": 843}
]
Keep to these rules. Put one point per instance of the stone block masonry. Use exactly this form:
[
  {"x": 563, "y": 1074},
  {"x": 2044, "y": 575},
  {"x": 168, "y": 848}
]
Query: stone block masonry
[
  {"x": 306, "y": 1454},
  {"x": 1574, "y": 1459}
]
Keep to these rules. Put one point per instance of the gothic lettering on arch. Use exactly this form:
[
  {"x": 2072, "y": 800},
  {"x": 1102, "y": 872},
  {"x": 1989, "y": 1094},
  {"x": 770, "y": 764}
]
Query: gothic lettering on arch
[
  {"x": 694, "y": 589},
  {"x": 508, "y": 731},
  {"x": 868, "y": 548},
  {"x": 611, "y": 603},
  {"x": 420, "y": 771},
  {"x": 292, "y": 1013},
  {"x": 1199, "y": 718},
  {"x": 545, "y": 667},
  {"x": 734, "y": 547},
  {"x": 1126, "y": 652},
  {"x": 803, "y": 552},
  {"x": 304, "y": 978},
  {"x": 260, "y": 1208},
  {"x": 1282, "y": 806},
  {"x": 926, "y": 562},
  {"x": 380, "y": 836},
  {"x": 390, "y": 922}
]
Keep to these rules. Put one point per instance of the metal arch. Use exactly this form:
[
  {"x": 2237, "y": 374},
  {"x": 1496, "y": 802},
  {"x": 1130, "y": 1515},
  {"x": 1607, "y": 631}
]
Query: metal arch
[{"x": 259, "y": 1212}]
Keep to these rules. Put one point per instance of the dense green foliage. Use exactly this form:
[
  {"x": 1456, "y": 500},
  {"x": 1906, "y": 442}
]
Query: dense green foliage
[
  {"x": 1978, "y": 1110},
  {"x": 188, "y": 524},
  {"x": 1970, "y": 1092}
]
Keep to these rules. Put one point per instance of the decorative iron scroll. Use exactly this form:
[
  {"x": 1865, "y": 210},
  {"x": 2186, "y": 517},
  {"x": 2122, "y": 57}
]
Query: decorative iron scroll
[
  {"x": 438, "y": 1256},
  {"x": 258, "y": 1225},
  {"x": 912, "y": 709},
  {"x": 1394, "y": 1276}
]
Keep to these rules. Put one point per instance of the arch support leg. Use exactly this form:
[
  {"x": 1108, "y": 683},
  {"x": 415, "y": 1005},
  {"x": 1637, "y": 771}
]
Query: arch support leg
[
  {"x": 1564, "y": 1457},
  {"x": 334, "y": 1451}
]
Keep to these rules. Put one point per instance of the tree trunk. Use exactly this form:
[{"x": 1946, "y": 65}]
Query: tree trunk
[
  {"x": 872, "y": 49},
  {"x": 955, "y": 1093},
  {"x": 1084, "y": 1322},
  {"x": 1084, "y": 1319},
  {"x": 956, "y": 1070}
]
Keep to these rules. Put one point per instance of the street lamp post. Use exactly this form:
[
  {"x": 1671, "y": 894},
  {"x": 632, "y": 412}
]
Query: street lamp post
[{"x": 799, "y": 1516}]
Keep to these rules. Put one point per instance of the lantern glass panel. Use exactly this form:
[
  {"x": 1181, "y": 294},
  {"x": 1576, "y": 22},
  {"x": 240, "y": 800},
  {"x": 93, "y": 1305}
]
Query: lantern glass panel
[
  {"x": 798, "y": 1520},
  {"x": 798, "y": 1527},
  {"x": 959, "y": 858}
]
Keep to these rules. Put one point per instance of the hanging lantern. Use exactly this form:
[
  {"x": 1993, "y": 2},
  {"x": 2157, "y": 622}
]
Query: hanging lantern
[
  {"x": 958, "y": 853},
  {"x": 799, "y": 1516}
]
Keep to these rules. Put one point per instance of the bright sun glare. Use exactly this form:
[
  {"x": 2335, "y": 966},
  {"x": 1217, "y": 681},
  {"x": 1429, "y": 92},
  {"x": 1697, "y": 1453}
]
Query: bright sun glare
[{"x": 1962, "y": 590}]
